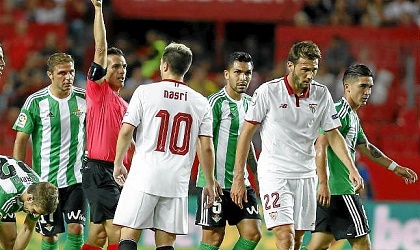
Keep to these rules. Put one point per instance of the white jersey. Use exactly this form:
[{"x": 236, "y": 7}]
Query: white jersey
[
  {"x": 169, "y": 117},
  {"x": 289, "y": 126}
]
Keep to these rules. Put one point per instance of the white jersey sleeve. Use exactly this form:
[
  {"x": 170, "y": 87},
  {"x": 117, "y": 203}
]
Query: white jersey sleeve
[
  {"x": 257, "y": 111},
  {"x": 330, "y": 117}
]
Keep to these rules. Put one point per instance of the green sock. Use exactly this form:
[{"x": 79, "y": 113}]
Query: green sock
[
  {"x": 49, "y": 245},
  {"x": 205, "y": 246},
  {"x": 74, "y": 242},
  {"x": 244, "y": 244}
]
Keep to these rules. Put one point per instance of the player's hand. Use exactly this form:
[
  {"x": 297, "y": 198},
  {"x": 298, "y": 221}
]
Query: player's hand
[
  {"x": 323, "y": 195},
  {"x": 210, "y": 195},
  {"x": 97, "y": 3},
  {"x": 219, "y": 191},
  {"x": 357, "y": 181},
  {"x": 407, "y": 174},
  {"x": 238, "y": 192},
  {"x": 120, "y": 174}
]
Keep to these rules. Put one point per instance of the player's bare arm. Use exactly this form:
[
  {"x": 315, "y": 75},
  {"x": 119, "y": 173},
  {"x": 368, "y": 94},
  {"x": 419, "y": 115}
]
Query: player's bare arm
[
  {"x": 373, "y": 153},
  {"x": 19, "y": 148},
  {"x": 238, "y": 191},
  {"x": 323, "y": 192},
  {"x": 123, "y": 143},
  {"x": 205, "y": 151},
  {"x": 25, "y": 233},
  {"x": 252, "y": 163},
  {"x": 99, "y": 34},
  {"x": 337, "y": 143}
]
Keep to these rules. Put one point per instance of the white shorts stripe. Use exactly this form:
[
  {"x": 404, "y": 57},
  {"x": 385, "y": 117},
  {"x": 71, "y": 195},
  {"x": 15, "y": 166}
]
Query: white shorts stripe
[
  {"x": 357, "y": 220},
  {"x": 204, "y": 220}
]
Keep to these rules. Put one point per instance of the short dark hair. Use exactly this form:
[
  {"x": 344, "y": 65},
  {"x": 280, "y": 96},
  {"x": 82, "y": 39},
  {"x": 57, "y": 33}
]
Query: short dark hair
[
  {"x": 114, "y": 51},
  {"x": 239, "y": 56},
  {"x": 356, "y": 71},
  {"x": 179, "y": 58},
  {"x": 304, "y": 49}
]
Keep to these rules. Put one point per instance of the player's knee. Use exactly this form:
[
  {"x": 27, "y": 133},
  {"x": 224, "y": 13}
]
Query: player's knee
[
  {"x": 252, "y": 235},
  {"x": 214, "y": 237},
  {"x": 101, "y": 238},
  {"x": 75, "y": 228},
  {"x": 50, "y": 238},
  {"x": 361, "y": 243},
  {"x": 285, "y": 239}
]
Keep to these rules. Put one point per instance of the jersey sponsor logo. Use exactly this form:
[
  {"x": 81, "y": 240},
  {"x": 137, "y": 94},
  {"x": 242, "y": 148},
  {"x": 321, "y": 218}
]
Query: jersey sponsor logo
[
  {"x": 313, "y": 107},
  {"x": 283, "y": 105},
  {"x": 26, "y": 179},
  {"x": 79, "y": 113},
  {"x": 169, "y": 94},
  {"x": 252, "y": 210},
  {"x": 21, "y": 120},
  {"x": 76, "y": 216}
]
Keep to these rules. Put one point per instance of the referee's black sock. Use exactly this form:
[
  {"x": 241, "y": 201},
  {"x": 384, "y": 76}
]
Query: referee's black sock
[
  {"x": 127, "y": 245},
  {"x": 165, "y": 248}
]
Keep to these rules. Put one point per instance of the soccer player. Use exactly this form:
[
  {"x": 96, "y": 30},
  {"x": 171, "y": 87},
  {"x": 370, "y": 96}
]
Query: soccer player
[
  {"x": 54, "y": 117},
  {"x": 106, "y": 109},
  {"x": 342, "y": 215},
  {"x": 229, "y": 106},
  {"x": 171, "y": 118},
  {"x": 290, "y": 110},
  {"x": 21, "y": 190}
]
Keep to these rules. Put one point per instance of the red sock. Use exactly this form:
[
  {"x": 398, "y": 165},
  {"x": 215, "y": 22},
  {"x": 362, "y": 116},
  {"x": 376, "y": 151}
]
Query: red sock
[
  {"x": 112, "y": 247},
  {"x": 89, "y": 247}
]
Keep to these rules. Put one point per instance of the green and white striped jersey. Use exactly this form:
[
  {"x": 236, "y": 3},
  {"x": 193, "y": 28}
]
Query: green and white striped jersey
[
  {"x": 15, "y": 177},
  {"x": 351, "y": 130},
  {"x": 57, "y": 127},
  {"x": 228, "y": 117}
]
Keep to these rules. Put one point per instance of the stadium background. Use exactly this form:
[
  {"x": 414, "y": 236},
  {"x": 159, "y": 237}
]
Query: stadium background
[{"x": 265, "y": 29}]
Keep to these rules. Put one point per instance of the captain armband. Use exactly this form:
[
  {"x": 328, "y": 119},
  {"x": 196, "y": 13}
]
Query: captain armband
[{"x": 96, "y": 72}]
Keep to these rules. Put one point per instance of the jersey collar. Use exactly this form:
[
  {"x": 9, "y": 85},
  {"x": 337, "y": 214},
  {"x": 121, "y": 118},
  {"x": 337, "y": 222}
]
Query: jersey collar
[{"x": 175, "y": 81}]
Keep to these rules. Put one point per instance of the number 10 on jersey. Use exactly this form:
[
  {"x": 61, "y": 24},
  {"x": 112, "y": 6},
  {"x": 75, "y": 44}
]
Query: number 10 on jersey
[{"x": 176, "y": 125}]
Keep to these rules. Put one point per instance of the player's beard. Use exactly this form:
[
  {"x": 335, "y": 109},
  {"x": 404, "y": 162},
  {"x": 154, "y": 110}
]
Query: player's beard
[{"x": 297, "y": 82}]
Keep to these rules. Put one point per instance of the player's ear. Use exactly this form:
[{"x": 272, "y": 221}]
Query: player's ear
[
  {"x": 226, "y": 74},
  {"x": 346, "y": 86},
  {"x": 50, "y": 75},
  {"x": 30, "y": 197},
  {"x": 290, "y": 65}
]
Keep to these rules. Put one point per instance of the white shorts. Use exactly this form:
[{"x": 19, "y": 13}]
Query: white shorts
[
  {"x": 289, "y": 201},
  {"x": 139, "y": 210}
]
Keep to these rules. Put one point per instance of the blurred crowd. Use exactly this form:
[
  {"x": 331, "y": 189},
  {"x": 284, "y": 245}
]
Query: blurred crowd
[
  {"x": 26, "y": 54},
  {"x": 367, "y": 13}
]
